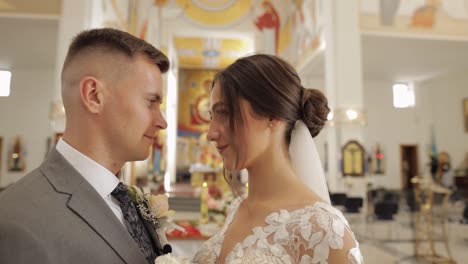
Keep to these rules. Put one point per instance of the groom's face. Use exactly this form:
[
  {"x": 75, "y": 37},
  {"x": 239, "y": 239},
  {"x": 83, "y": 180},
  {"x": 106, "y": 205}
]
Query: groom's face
[{"x": 133, "y": 112}]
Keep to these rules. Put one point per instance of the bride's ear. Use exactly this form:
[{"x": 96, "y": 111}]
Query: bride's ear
[{"x": 273, "y": 122}]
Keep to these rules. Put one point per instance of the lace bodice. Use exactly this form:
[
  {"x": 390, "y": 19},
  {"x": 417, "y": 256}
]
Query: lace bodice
[{"x": 304, "y": 235}]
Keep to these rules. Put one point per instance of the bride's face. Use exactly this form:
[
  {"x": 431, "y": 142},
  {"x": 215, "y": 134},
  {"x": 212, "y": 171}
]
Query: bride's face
[{"x": 244, "y": 146}]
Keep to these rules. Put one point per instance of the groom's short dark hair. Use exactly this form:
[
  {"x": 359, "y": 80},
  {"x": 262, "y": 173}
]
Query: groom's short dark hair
[{"x": 114, "y": 41}]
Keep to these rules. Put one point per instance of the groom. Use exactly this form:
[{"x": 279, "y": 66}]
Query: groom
[{"x": 72, "y": 209}]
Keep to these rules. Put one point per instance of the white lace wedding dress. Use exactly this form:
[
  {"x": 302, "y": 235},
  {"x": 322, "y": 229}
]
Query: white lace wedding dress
[{"x": 304, "y": 235}]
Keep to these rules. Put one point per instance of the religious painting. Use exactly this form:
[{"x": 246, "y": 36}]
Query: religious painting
[
  {"x": 465, "y": 113},
  {"x": 291, "y": 29},
  {"x": 353, "y": 159},
  {"x": 115, "y": 14},
  {"x": 306, "y": 36},
  {"x": 274, "y": 21},
  {"x": 378, "y": 161},
  {"x": 268, "y": 23},
  {"x": 16, "y": 156},
  {"x": 215, "y": 14},
  {"x": 194, "y": 151},
  {"x": 422, "y": 17},
  {"x": 141, "y": 18},
  {"x": 210, "y": 52},
  {"x": 194, "y": 101}
]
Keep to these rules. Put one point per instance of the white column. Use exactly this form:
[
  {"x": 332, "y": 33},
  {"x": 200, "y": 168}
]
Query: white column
[
  {"x": 76, "y": 16},
  {"x": 171, "y": 117},
  {"x": 343, "y": 83}
]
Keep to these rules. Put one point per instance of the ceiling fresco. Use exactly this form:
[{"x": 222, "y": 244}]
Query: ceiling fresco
[{"x": 196, "y": 52}]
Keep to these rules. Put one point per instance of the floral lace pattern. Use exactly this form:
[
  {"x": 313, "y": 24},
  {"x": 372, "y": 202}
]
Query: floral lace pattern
[{"x": 304, "y": 235}]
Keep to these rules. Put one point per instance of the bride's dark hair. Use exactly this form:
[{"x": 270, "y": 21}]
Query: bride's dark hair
[{"x": 273, "y": 89}]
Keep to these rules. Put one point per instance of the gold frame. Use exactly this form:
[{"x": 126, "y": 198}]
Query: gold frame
[{"x": 352, "y": 161}]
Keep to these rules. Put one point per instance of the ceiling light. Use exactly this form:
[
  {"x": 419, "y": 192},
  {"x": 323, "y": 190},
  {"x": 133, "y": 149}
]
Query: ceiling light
[{"x": 5, "y": 77}]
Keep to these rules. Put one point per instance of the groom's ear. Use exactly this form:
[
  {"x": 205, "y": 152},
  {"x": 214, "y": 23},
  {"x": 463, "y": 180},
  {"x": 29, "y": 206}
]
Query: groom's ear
[{"x": 91, "y": 94}]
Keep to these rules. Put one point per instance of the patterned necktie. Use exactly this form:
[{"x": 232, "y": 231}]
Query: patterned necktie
[{"x": 133, "y": 222}]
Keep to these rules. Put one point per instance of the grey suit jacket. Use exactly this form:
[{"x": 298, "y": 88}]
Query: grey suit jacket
[{"x": 53, "y": 215}]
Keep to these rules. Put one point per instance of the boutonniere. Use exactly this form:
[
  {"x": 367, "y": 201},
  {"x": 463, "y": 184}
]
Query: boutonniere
[
  {"x": 170, "y": 259},
  {"x": 154, "y": 208}
]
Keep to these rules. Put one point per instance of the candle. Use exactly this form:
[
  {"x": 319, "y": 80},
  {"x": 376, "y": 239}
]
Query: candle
[{"x": 204, "y": 203}]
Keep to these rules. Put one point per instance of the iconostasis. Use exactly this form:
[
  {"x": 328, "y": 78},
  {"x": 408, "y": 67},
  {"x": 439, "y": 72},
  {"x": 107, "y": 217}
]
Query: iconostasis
[
  {"x": 200, "y": 58},
  {"x": 194, "y": 151}
]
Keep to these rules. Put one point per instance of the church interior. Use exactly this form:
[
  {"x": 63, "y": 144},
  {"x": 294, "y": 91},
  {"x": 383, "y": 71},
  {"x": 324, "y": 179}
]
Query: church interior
[{"x": 395, "y": 146}]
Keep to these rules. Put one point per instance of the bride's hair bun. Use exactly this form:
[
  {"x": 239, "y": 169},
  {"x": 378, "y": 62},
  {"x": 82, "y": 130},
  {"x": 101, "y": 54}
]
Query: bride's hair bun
[{"x": 314, "y": 110}]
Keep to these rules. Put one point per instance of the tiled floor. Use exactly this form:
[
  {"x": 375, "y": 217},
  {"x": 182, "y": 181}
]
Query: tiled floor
[{"x": 393, "y": 242}]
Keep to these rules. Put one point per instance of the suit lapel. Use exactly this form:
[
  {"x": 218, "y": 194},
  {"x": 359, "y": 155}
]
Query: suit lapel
[
  {"x": 89, "y": 205},
  {"x": 94, "y": 212}
]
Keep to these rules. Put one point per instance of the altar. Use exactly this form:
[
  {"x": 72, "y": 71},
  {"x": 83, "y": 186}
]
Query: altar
[{"x": 187, "y": 243}]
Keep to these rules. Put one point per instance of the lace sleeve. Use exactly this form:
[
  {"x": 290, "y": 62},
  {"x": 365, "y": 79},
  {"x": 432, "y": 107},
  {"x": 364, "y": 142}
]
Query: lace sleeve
[{"x": 327, "y": 238}]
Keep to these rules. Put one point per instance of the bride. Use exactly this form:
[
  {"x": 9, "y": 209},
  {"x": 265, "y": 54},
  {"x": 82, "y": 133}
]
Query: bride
[{"x": 263, "y": 120}]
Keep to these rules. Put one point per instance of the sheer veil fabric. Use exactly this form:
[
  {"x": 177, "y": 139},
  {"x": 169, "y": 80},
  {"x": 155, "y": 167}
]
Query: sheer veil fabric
[{"x": 306, "y": 161}]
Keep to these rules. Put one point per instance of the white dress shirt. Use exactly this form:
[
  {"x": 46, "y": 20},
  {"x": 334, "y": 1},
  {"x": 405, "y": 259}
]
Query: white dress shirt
[{"x": 102, "y": 180}]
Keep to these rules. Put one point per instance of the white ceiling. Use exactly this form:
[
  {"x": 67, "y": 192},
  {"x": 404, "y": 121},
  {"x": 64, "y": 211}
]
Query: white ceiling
[
  {"x": 396, "y": 59},
  {"x": 403, "y": 59},
  {"x": 27, "y": 43}
]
